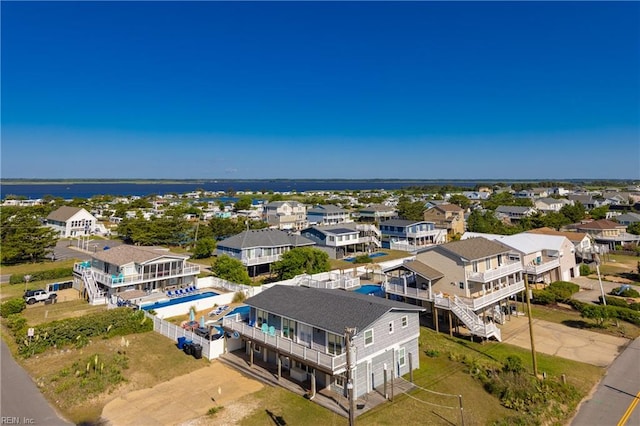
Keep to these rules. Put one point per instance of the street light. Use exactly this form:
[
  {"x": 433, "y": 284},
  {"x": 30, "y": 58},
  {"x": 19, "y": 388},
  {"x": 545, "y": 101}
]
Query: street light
[{"x": 27, "y": 278}]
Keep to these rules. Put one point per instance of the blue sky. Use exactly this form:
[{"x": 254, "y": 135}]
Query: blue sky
[{"x": 321, "y": 90}]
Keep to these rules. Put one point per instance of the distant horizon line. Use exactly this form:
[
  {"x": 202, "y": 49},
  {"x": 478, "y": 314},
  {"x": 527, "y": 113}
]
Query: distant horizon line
[{"x": 125, "y": 179}]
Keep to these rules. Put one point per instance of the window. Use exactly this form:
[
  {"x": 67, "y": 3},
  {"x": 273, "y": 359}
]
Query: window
[
  {"x": 462, "y": 285},
  {"x": 487, "y": 264},
  {"x": 368, "y": 338},
  {"x": 340, "y": 380},
  {"x": 288, "y": 328},
  {"x": 402, "y": 357},
  {"x": 391, "y": 327},
  {"x": 335, "y": 344},
  {"x": 405, "y": 321},
  {"x": 262, "y": 317},
  {"x": 475, "y": 266},
  {"x": 499, "y": 260}
]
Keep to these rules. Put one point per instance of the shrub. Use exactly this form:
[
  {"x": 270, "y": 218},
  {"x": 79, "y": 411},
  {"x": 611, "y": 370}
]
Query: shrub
[
  {"x": 238, "y": 297},
  {"x": 78, "y": 331},
  {"x": 627, "y": 292},
  {"x": 513, "y": 364},
  {"x": 12, "y": 306},
  {"x": 563, "y": 289},
  {"x": 50, "y": 274},
  {"x": 363, "y": 258},
  {"x": 585, "y": 270},
  {"x": 543, "y": 297}
]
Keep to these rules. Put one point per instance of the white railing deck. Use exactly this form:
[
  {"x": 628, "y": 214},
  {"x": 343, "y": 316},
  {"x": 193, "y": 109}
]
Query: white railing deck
[
  {"x": 492, "y": 274},
  {"x": 543, "y": 267},
  {"x": 119, "y": 281},
  {"x": 333, "y": 363},
  {"x": 260, "y": 260}
]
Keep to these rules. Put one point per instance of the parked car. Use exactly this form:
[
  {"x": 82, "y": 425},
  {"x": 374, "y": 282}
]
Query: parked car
[
  {"x": 33, "y": 296},
  {"x": 204, "y": 332}
]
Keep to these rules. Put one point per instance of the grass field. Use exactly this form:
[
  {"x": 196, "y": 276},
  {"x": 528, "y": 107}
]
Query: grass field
[
  {"x": 41, "y": 313},
  {"x": 442, "y": 373},
  {"x": 29, "y": 268}
]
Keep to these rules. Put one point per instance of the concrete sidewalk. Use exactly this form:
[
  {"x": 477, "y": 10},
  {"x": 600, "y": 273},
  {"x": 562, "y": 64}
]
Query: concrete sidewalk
[{"x": 563, "y": 341}]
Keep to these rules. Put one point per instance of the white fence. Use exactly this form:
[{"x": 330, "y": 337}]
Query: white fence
[{"x": 210, "y": 349}]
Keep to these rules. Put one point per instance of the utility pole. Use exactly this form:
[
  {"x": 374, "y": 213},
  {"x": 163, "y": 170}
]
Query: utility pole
[
  {"x": 596, "y": 257},
  {"x": 348, "y": 335},
  {"x": 533, "y": 346}
]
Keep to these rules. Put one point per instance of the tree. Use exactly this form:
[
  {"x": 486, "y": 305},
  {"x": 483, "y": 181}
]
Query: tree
[
  {"x": 166, "y": 230},
  {"x": 243, "y": 203},
  {"x": 230, "y": 269},
  {"x": 301, "y": 260},
  {"x": 204, "y": 248},
  {"x": 460, "y": 200},
  {"x": 23, "y": 238},
  {"x": 410, "y": 210},
  {"x": 599, "y": 212},
  {"x": 574, "y": 213},
  {"x": 634, "y": 228},
  {"x": 485, "y": 222}
]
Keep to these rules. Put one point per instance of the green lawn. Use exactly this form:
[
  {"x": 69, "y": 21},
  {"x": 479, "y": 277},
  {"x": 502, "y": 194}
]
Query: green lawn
[
  {"x": 442, "y": 373},
  {"x": 29, "y": 268},
  {"x": 9, "y": 291},
  {"x": 41, "y": 313}
]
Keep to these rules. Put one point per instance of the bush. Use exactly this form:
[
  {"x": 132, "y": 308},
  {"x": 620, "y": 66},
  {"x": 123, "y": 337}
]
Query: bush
[
  {"x": 543, "y": 297},
  {"x": 513, "y": 364},
  {"x": 238, "y": 297},
  {"x": 77, "y": 331},
  {"x": 50, "y": 274},
  {"x": 585, "y": 270},
  {"x": 627, "y": 292},
  {"x": 363, "y": 258},
  {"x": 12, "y": 306},
  {"x": 563, "y": 289}
]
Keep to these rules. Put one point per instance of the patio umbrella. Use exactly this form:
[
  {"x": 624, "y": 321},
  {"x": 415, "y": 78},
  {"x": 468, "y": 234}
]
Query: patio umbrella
[
  {"x": 192, "y": 315},
  {"x": 202, "y": 321}
]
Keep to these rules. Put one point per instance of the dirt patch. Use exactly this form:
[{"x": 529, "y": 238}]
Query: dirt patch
[
  {"x": 186, "y": 399},
  {"x": 617, "y": 279},
  {"x": 228, "y": 415}
]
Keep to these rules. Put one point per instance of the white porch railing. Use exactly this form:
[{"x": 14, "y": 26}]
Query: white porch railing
[
  {"x": 491, "y": 297},
  {"x": 493, "y": 274},
  {"x": 114, "y": 281},
  {"x": 543, "y": 267},
  {"x": 473, "y": 322},
  {"x": 260, "y": 260},
  {"x": 333, "y": 363},
  {"x": 95, "y": 295}
]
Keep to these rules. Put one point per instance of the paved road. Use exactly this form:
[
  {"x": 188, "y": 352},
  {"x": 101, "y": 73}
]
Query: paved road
[
  {"x": 20, "y": 397},
  {"x": 70, "y": 250},
  {"x": 590, "y": 289},
  {"x": 612, "y": 401}
]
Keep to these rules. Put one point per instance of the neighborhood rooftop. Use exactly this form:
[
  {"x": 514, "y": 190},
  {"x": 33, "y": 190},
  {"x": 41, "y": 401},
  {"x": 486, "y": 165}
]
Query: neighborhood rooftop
[
  {"x": 423, "y": 270},
  {"x": 475, "y": 248},
  {"x": 264, "y": 238},
  {"x": 125, "y": 254},
  {"x": 330, "y": 310},
  {"x": 63, "y": 214}
]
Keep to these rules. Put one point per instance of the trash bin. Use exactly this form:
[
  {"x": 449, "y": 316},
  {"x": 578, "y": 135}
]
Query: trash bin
[
  {"x": 196, "y": 350},
  {"x": 188, "y": 347},
  {"x": 181, "y": 341}
]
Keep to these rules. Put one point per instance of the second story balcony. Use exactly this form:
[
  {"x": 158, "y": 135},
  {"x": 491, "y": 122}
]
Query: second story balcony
[
  {"x": 496, "y": 273},
  {"x": 120, "y": 280},
  {"x": 273, "y": 340},
  {"x": 546, "y": 264}
]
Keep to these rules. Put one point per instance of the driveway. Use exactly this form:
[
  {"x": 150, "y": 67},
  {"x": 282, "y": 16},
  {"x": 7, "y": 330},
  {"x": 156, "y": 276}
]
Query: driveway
[
  {"x": 563, "y": 341},
  {"x": 590, "y": 289},
  {"x": 20, "y": 399},
  {"x": 70, "y": 249}
]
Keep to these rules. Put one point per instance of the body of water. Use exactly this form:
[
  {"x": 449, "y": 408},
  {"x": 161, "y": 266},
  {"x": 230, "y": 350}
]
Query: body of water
[{"x": 88, "y": 190}]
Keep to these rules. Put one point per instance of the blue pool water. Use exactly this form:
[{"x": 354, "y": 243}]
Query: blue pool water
[
  {"x": 179, "y": 300},
  {"x": 374, "y": 290},
  {"x": 242, "y": 310},
  {"x": 372, "y": 256}
]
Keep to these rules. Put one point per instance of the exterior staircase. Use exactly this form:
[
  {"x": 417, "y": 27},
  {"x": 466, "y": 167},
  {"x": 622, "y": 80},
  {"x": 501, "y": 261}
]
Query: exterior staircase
[
  {"x": 472, "y": 321},
  {"x": 96, "y": 296}
]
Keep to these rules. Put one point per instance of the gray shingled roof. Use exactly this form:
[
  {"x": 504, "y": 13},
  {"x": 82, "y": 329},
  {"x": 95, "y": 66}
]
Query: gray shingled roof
[
  {"x": 282, "y": 203},
  {"x": 63, "y": 214},
  {"x": 401, "y": 222},
  {"x": 125, "y": 254},
  {"x": 474, "y": 248},
  {"x": 423, "y": 270},
  {"x": 326, "y": 208},
  {"x": 264, "y": 238},
  {"x": 513, "y": 209},
  {"x": 330, "y": 310},
  {"x": 342, "y": 228}
]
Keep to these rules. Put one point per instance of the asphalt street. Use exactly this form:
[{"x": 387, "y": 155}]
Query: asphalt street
[
  {"x": 20, "y": 399},
  {"x": 616, "y": 397}
]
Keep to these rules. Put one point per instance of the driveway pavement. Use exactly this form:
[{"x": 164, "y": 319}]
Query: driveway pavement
[
  {"x": 20, "y": 399},
  {"x": 563, "y": 341},
  {"x": 590, "y": 289},
  {"x": 72, "y": 249}
]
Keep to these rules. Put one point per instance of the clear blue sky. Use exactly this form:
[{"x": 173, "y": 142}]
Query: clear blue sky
[{"x": 321, "y": 90}]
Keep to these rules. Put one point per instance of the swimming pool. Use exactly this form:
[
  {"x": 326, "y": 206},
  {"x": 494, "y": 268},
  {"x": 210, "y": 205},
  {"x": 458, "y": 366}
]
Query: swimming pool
[
  {"x": 374, "y": 290},
  {"x": 242, "y": 310},
  {"x": 179, "y": 300},
  {"x": 371, "y": 256}
]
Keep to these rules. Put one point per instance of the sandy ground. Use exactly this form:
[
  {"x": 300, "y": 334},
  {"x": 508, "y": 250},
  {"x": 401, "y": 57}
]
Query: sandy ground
[
  {"x": 185, "y": 399},
  {"x": 566, "y": 342}
]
